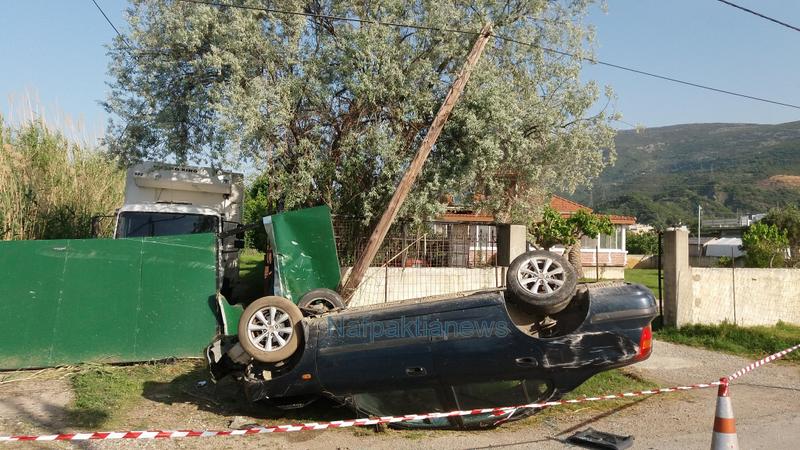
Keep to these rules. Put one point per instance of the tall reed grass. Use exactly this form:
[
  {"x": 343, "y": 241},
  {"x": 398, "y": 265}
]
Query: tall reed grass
[{"x": 51, "y": 187}]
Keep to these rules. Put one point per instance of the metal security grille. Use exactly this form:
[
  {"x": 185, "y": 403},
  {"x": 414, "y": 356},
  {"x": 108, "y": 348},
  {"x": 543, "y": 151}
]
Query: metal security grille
[
  {"x": 421, "y": 259},
  {"x": 429, "y": 244}
]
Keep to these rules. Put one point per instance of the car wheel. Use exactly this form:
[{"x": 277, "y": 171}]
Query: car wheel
[
  {"x": 321, "y": 300},
  {"x": 270, "y": 330},
  {"x": 542, "y": 280}
]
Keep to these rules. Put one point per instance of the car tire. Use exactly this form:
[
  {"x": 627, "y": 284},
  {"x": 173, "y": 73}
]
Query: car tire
[
  {"x": 270, "y": 329},
  {"x": 543, "y": 281},
  {"x": 320, "y": 301}
]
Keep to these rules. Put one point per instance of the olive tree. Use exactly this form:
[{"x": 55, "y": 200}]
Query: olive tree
[
  {"x": 765, "y": 245},
  {"x": 787, "y": 219},
  {"x": 555, "y": 229},
  {"x": 332, "y": 110}
]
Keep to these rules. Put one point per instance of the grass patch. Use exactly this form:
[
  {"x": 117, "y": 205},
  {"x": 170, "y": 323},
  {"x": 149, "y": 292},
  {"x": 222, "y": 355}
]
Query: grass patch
[
  {"x": 251, "y": 276},
  {"x": 647, "y": 277},
  {"x": 609, "y": 382},
  {"x": 754, "y": 342},
  {"x": 103, "y": 394}
]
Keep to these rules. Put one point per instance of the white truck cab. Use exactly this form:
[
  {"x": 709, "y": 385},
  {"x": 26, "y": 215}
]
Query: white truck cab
[{"x": 167, "y": 199}]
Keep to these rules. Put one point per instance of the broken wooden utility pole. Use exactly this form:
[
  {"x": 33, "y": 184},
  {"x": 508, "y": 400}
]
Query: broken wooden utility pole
[{"x": 351, "y": 283}]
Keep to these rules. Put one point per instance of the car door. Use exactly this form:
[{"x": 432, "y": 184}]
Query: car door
[
  {"x": 482, "y": 343},
  {"x": 368, "y": 351}
]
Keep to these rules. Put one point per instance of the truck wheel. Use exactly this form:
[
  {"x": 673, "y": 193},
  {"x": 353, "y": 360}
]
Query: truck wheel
[
  {"x": 270, "y": 330},
  {"x": 321, "y": 300},
  {"x": 542, "y": 280}
]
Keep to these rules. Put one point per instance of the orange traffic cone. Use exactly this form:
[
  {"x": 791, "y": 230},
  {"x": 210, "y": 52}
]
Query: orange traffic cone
[{"x": 724, "y": 424}]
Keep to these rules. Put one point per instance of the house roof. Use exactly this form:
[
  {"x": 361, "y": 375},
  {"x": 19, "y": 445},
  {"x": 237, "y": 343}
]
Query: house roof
[
  {"x": 466, "y": 216},
  {"x": 564, "y": 206},
  {"x": 567, "y": 208}
]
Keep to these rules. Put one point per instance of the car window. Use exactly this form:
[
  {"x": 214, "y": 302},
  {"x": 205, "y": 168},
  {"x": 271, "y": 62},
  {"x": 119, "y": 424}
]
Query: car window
[
  {"x": 490, "y": 394},
  {"x": 401, "y": 402},
  {"x": 494, "y": 394},
  {"x": 408, "y": 401}
]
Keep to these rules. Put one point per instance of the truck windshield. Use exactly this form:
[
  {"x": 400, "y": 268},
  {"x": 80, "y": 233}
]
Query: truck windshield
[{"x": 145, "y": 224}]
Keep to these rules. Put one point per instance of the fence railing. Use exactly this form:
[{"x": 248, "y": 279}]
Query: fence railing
[{"x": 421, "y": 260}]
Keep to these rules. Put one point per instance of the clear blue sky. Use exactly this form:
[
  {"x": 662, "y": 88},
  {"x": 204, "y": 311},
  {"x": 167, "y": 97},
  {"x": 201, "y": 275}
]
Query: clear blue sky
[{"x": 54, "y": 50}]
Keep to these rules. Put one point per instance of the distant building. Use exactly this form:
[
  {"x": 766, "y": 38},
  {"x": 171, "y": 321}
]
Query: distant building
[
  {"x": 698, "y": 250},
  {"x": 729, "y": 247},
  {"x": 640, "y": 228},
  {"x": 606, "y": 254},
  {"x": 474, "y": 236}
]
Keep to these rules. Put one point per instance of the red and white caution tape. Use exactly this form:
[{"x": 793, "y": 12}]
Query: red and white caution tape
[
  {"x": 762, "y": 361},
  {"x": 339, "y": 423},
  {"x": 378, "y": 420}
]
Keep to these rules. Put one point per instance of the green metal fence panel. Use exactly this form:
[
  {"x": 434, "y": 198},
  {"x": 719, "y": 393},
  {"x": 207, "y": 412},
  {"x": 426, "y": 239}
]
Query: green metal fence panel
[
  {"x": 305, "y": 249},
  {"x": 104, "y": 300}
]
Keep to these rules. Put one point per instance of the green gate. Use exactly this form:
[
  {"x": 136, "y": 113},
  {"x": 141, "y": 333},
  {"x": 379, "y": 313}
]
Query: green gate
[{"x": 106, "y": 300}]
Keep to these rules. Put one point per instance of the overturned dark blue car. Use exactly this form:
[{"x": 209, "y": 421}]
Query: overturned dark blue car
[{"x": 536, "y": 340}]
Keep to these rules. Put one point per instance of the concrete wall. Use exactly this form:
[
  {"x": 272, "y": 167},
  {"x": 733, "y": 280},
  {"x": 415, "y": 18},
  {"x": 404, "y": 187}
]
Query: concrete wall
[
  {"x": 746, "y": 297},
  {"x": 642, "y": 261},
  {"x": 753, "y": 296},
  {"x": 388, "y": 284},
  {"x": 606, "y": 273}
]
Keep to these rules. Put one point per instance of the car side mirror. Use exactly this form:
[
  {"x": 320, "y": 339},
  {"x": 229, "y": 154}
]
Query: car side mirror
[{"x": 238, "y": 243}]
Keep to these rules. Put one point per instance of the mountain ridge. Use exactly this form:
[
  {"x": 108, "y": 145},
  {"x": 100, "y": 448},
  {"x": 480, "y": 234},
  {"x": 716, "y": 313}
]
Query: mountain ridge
[{"x": 662, "y": 174}]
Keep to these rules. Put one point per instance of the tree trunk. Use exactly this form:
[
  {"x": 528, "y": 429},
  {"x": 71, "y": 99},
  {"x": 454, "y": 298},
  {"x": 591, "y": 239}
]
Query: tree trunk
[{"x": 574, "y": 258}]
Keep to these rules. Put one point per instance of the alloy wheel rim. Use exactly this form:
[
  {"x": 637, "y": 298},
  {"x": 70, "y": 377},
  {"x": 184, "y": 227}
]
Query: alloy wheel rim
[
  {"x": 270, "y": 329},
  {"x": 541, "y": 275}
]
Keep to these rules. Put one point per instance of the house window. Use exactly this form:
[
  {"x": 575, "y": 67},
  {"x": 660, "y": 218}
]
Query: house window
[
  {"x": 484, "y": 235},
  {"x": 607, "y": 241}
]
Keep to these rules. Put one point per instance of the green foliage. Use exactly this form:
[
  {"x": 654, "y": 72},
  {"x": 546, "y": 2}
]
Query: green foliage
[
  {"x": 257, "y": 204},
  {"x": 765, "y": 245},
  {"x": 551, "y": 230},
  {"x": 642, "y": 243},
  {"x": 588, "y": 224},
  {"x": 334, "y": 110},
  {"x": 554, "y": 229},
  {"x": 50, "y": 187},
  {"x": 753, "y": 342},
  {"x": 724, "y": 261},
  {"x": 788, "y": 220}
]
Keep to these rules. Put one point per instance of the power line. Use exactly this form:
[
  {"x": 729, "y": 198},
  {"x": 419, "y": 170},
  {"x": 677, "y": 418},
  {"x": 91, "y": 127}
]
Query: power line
[
  {"x": 475, "y": 33},
  {"x": 113, "y": 26},
  {"x": 760, "y": 15},
  {"x": 649, "y": 74}
]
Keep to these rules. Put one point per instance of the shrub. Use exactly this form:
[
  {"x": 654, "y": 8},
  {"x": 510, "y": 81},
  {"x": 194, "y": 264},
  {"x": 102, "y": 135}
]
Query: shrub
[
  {"x": 642, "y": 243},
  {"x": 50, "y": 187},
  {"x": 765, "y": 245}
]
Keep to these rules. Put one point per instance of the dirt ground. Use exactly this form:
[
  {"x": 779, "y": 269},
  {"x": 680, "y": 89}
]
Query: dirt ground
[{"x": 766, "y": 403}]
